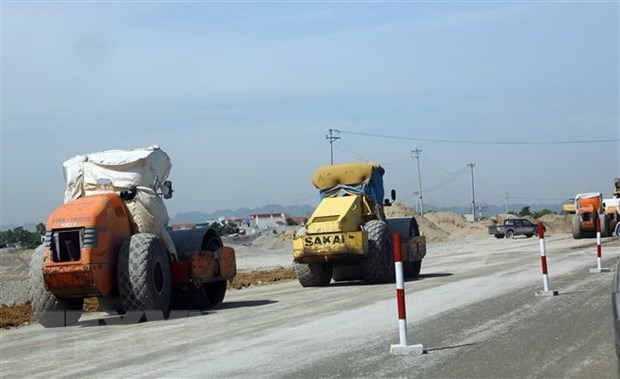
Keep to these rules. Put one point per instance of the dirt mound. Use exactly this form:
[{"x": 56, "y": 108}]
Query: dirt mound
[
  {"x": 267, "y": 239},
  {"x": 15, "y": 315},
  {"x": 275, "y": 239},
  {"x": 399, "y": 210},
  {"x": 439, "y": 226},
  {"x": 557, "y": 223},
  {"x": 427, "y": 227},
  {"x": 456, "y": 226}
]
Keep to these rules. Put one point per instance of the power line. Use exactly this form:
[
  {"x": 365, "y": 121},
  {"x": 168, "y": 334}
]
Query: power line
[
  {"x": 401, "y": 162},
  {"x": 436, "y": 167},
  {"x": 451, "y": 179},
  {"x": 473, "y": 142},
  {"x": 352, "y": 153}
]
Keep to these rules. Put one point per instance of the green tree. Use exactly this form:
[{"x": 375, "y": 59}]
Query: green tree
[
  {"x": 20, "y": 236},
  {"x": 40, "y": 228},
  {"x": 525, "y": 211},
  {"x": 543, "y": 212}
]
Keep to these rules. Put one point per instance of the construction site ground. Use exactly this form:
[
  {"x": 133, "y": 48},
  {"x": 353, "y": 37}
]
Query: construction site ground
[
  {"x": 473, "y": 308},
  {"x": 263, "y": 257}
]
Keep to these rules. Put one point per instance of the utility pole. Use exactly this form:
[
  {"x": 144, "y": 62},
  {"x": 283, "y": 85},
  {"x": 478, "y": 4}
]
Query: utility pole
[
  {"x": 416, "y": 197},
  {"x": 416, "y": 155},
  {"x": 331, "y": 138},
  {"x": 473, "y": 194},
  {"x": 506, "y": 203}
]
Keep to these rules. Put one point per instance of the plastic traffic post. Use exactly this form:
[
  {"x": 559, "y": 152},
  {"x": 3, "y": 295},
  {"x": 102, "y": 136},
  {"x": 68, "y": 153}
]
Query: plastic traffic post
[
  {"x": 402, "y": 348},
  {"x": 543, "y": 260},
  {"x": 599, "y": 250}
]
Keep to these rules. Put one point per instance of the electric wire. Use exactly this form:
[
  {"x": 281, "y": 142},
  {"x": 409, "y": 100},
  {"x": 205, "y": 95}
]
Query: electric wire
[
  {"x": 447, "y": 181},
  {"x": 426, "y": 160},
  {"x": 350, "y": 152},
  {"x": 474, "y": 142}
]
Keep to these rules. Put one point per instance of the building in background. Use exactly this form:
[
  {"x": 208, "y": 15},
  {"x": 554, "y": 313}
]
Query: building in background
[{"x": 268, "y": 220}]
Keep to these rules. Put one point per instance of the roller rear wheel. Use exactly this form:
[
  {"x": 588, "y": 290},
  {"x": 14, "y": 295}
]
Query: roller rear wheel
[
  {"x": 378, "y": 267},
  {"x": 49, "y": 310},
  {"x": 576, "y": 227},
  {"x": 144, "y": 278},
  {"x": 313, "y": 274}
]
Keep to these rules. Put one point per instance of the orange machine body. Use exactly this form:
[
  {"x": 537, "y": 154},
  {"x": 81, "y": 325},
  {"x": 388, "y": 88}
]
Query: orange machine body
[
  {"x": 588, "y": 209},
  {"x": 83, "y": 239},
  {"x": 203, "y": 267}
]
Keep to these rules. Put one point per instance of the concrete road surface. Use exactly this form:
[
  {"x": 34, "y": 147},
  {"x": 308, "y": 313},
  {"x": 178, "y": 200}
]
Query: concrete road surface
[{"x": 473, "y": 309}]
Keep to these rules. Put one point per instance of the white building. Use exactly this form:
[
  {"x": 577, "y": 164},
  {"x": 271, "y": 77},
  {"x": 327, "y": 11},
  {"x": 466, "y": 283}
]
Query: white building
[{"x": 268, "y": 220}]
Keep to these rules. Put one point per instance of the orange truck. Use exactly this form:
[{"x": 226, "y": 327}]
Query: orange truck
[
  {"x": 109, "y": 240},
  {"x": 588, "y": 208}
]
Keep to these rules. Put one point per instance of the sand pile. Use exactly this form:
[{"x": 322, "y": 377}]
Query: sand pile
[
  {"x": 456, "y": 226},
  {"x": 557, "y": 223}
]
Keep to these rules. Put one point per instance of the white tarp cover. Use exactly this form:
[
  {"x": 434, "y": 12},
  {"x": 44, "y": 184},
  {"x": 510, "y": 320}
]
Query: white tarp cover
[
  {"x": 143, "y": 168},
  {"x": 126, "y": 168},
  {"x": 613, "y": 202},
  {"x": 588, "y": 195}
]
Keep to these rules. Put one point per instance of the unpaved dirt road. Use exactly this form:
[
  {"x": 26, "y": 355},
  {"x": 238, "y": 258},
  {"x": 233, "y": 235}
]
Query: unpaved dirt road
[{"x": 473, "y": 309}]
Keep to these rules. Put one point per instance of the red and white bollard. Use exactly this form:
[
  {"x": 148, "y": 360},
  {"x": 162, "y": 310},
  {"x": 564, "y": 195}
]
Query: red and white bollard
[
  {"x": 599, "y": 249},
  {"x": 402, "y": 348},
  {"x": 543, "y": 260}
]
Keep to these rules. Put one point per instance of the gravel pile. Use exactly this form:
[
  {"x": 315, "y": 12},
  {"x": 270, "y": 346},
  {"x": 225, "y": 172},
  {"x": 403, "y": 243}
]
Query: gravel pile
[
  {"x": 13, "y": 292},
  {"x": 14, "y": 275}
]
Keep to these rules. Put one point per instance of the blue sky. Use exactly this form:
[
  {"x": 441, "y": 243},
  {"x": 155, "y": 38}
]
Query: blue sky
[{"x": 241, "y": 96}]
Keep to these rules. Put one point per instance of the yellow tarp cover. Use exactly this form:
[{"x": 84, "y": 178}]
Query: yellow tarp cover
[{"x": 347, "y": 174}]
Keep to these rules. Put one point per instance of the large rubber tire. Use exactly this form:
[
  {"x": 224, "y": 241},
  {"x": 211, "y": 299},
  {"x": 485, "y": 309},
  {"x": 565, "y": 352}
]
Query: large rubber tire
[
  {"x": 378, "y": 267},
  {"x": 111, "y": 305},
  {"x": 411, "y": 270},
  {"x": 49, "y": 310},
  {"x": 576, "y": 227},
  {"x": 346, "y": 273},
  {"x": 208, "y": 295},
  {"x": 510, "y": 234},
  {"x": 605, "y": 232},
  {"x": 214, "y": 293},
  {"x": 144, "y": 280},
  {"x": 313, "y": 274}
]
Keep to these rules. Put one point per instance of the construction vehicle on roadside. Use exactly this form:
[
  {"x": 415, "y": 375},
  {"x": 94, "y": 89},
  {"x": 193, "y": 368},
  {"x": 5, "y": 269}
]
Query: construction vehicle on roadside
[
  {"x": 568, "y": 207},
  {"x": 109, "y": 240},
  {"x": 348, "y": 237},
  {"x": 588, "y": 208},
  {"x": 611, "y": 213}
]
